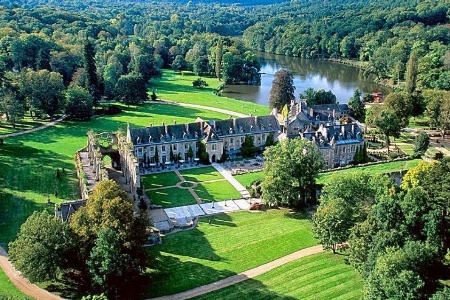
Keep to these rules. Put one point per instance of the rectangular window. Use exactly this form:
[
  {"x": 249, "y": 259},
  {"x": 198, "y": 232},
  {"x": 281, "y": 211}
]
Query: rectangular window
[
  {"x": 163, "y": 148},
  {"x": 231, "y": 141},
  {"x": 214, "y": 147},
  {"x": 152, "y": 149},
  {"x": 263, "y": 137},
  {"x": 140, "y": 152},
  {"x": 174, "y": 147},
  {"x": 242, "y": 139},
  {"x": 164, "y": 158},
  {"x": 186, "y": 147}
]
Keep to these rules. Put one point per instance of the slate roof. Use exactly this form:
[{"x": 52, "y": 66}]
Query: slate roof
[
  {"x": 66, "y": 209},
  {"x": 329, "y": 135},
  {"x": 209, "y": 132}
]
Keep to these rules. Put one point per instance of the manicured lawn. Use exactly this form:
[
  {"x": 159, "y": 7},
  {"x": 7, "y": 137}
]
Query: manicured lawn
[
  {"x": 28, "y": 163},
  {"x": 247, "y": 179},
  {"x": 320, "y": 276},
  {"x": 159, "y": 180},
  {"x": 407, "y": 148},
  {"x": 171, "y": 197},
  {"x": 216, "y": 191},
  {"x": 26, "y": 123},
  {"x": 8, "y": 290},
  {"x": 231, "y": 244},
  {"x": 178, "y": 88},
  {"x": 201, "y": 174},
  {"x": 420, "y": 122},
  {"x": 395, "y": 166}
]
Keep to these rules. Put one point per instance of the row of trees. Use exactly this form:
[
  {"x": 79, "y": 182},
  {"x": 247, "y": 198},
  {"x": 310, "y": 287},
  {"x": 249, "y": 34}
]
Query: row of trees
[
  {"x": 100, "y": 247},
  {"x": 398, "y": 236}
]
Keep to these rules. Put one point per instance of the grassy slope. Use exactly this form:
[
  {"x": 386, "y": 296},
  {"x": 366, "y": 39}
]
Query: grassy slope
[
  {"x": 178, "y": 88},
  {"x": 8, "y": 290},
  {"x": 231, "y": 244},
  {"x": 28, "y": 162},
  {"x": 395, "y": 166},
  {"x": 321, "y": 276}
]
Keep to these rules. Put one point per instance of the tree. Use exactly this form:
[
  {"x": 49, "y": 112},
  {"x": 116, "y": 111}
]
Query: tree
[
  {"x": 92, "y": 83},
  {"x": 179, "y": 63},
  {"x": 332, "y": 222},
  {"x": 421, "y": 143},
  {"x": 171, "y": 155},
  {"x": 291, "y": 168},
  {"x": 309, "y": 95},
  {"x": 389, "y": 124},
  {"x": 78, "y": 103},
  {"x": 41, "y": 248},
  {"x": 438, "y": 109},
  {"x": 401, "y": 104},
  {"x": 411, "y": 73},
  {"x": 248, "y": 148},
  {"x": 12, "y": 106},
  {"x": 202, "y": 154},
  {"x": 190, "y": 153},
  {"x": 199, "y": 83},
  {"x": 357, "y": 109},
  {"x": 269, "y": 141},
  {"x": 282, "y": 91},
  {"x": 219, "y": 55},
  {"x": 131, "y": 89},
  {"x": 43, "y": 90}
]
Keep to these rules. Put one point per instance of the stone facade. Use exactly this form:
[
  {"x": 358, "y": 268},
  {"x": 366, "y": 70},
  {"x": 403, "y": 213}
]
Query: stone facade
[{"x": 152, "y": 145}]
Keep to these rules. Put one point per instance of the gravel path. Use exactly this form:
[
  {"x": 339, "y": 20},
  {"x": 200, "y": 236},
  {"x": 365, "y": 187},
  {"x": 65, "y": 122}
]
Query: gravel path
[
  {"x": 21, "y": 282},
  {"x": 34, "y": 129},
  {"x": 244, "y": 275}
]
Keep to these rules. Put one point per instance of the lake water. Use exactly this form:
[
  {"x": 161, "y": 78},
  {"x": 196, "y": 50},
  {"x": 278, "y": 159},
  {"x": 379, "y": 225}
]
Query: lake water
[{"x": 341, "y": 79}]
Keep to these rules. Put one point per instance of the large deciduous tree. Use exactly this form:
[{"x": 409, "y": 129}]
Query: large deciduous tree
[
  {"x": 131, "y": 89},
  {"x": 78, "y": 103},
  {"x": 332, "y": 222},
  {"x": 291, "y": 169},
  {"x": 389, "y": 124},
  {"x": 43, "y": 90},
  {"x": 282, "y": 91},
  {"x": 357, "y": 109},
  {"x": 401, "y": 104},
  {"x": 438, "y": 109},
  {"x": 41, "y": 248}
]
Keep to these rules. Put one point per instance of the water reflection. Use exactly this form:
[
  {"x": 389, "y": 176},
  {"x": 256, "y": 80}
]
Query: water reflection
[{"x": 342, "y": 80}]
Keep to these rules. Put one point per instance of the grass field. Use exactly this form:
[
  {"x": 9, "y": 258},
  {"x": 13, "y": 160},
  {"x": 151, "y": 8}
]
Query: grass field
[
  {"x": 247, "y": 179},
  {"x": 231, "y": 244},
  {"x": 321, "y": 276},
  {"x": 395, "y": 166},
  {"x": 8, "y": 290},
  {"x": 178, "y": 88},
  {"x": 201, "y": 174},
  {"x": 171, "y": 197},
  {"x": 160, "y": 180},
  {"x": 26, "y": 123},
  {"x": 216, "y": 191},
  {"x": 28, "y": 163}
]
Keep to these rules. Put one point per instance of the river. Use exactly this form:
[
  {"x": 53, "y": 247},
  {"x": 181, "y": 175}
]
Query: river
[{"x": 341, "y": 79}]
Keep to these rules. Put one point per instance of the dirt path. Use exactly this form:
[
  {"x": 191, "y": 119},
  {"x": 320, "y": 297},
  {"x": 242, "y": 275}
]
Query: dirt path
[
  {"x": 220, "y": 110},
  {"x": 33, "y": 129},
  {"x": 21, "y": 282},
  {"x": 244, "y": 275}
]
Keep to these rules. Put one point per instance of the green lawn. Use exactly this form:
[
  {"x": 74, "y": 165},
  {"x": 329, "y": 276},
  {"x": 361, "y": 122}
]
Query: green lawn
[
  {"x": 159, "y": 180},
  {"x": 320, "y": 276},
  {"x": 171, "y": 197},
  {"x": 420, "y": 122},
  {"x": 26, "y": 123},
  {"x": 248, "y": 178},
  {"x": 28, "y": 163},
  {"x": 178, "y": 88},
  {"x": 216, "y": 191},
  {"x": 201, "y": 174},
  {"x": 231, "y": 244},
  {"x": 395, "y": 166},
  {"x": 8, "y": 290}
]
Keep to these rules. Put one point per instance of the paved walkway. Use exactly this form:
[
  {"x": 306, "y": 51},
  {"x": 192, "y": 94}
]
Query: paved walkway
[
  {"x": 34, "y": 129},
  {"x": 236, "y": 184},
  {"x": 244, "y": 275},
  {"x": 22, "y": 283},
  {"x": 220, "y": 110}
]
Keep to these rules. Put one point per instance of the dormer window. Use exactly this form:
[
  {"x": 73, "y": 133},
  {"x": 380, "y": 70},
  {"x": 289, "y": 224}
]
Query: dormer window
[
  {"x": 270, "y": 125},
  {"x": 196, "y": 134},
  {"x": 251, "y": 128},
  {"x": 138, "y": 140},
  {"x": 150, "y": 139},
  {"x": 263, "y": 127},
  {"x": 162, "y": 137},
  {"x": 173, "y": 137},
  {"x": 241, "y": 129},
  {"x": 184, "y": 135},
  {"x": 231, "y": 130}
]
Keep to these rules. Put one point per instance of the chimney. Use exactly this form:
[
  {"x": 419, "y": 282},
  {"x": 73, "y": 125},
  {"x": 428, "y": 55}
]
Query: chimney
[
  {"x": 214, "y": 124},
  {"x": 334, "y": 114},
  {"x": 230, "y": 116},
  {"x": 187, "y": 128},
  {"x": 234, "y": 123},
  {"x": 163, "y": 124},
  {"x": 256, "y": 120}
]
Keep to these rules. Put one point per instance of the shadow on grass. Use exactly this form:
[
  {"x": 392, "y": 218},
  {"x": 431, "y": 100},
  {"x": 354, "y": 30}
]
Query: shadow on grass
[
  {"x": 297, "y": 214},
  {"x": 249, "y": 289}
]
